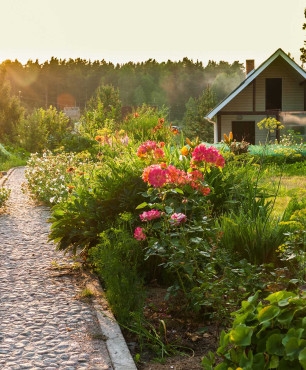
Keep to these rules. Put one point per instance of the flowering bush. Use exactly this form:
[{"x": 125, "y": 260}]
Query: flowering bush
[
  {"x": 4, "y": 195},
  {"x": 174, "y": 229},
  {"x": 52, "y": 177}
]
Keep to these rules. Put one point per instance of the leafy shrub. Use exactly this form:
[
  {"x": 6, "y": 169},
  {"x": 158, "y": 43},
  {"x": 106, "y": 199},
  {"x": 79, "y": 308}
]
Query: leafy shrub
[
  {"x": 76, "y": 143},
  {"x": 148, "y": 124},
  {"x": 254, "y": 237},
  {"x": 94, "y": 205},
  {"x": 43, "y": 129},
  {"x": 265, "y": 335},
  {"x": 116, "y": 260}
]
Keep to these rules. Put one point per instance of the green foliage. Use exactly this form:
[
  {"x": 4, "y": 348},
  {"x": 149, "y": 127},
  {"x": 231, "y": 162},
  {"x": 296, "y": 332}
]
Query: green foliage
[
  {"x": 43, "y": 129},
  {"x": 103, "y": 110},
  {"x": 264, "y": 335},
  {"x": 4, "y": 195},
  {"x": 148, "y": 124},
  {"x": 10, "y": 112},
  {"x": 107, "y": 97},
  {"x": 95, "y": 204},
  {"x": 254, "y": 237},
  {"x": 116, "y": 259},
  {"x": 195, "y": 125}
]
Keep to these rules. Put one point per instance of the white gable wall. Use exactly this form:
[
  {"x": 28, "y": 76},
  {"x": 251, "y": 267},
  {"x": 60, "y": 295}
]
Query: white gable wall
[{"x": 292, "y": 91}]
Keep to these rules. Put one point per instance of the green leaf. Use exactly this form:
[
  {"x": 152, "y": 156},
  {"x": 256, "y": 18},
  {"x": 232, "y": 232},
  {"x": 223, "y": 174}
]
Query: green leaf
[
  {"x": 259, "y": 361},
  {"x": 180, "y": 191},
  {"x": 293, "y": 347},
  {"x": 279, "y": 296},
  {"x": 289, "y": 365},
  {"x": 274, "y": 362},
  {"x": 286, "y": 317},
  {"x": 293, "y": 333},
  {"x": 268, "y": 313},
  {"x": 254, "y": 297},
  {"x": 208, "y": 361},
  {"x": 241, "y": 335},
  {"x": 142, "y": 205},
  {"x": 169, "y": 210},
  {"x": 274, "y": 345},
  {"x": 302, "y": 358},
  {"x": 221, "y": 366},
  {"x": 246, "y": 361}
]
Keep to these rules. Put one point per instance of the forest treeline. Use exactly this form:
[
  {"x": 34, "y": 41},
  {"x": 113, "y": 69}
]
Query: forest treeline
[{"x": 73, "y": 82}]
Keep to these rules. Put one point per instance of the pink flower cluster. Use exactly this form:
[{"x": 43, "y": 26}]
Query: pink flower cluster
[
  {"x": 139, "y": 234},
  {"x": 158, "y": 175},
  {"x": 178, "y": 218},
  {"x": 150, "y": 215},
  {"x": 151, "y": 147},
  {"x": 209, "y": 155}
]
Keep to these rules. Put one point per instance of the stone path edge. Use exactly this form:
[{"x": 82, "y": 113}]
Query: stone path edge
[
  {"x": 5, "y": 177},
  {"x": 119, "y": 352}
]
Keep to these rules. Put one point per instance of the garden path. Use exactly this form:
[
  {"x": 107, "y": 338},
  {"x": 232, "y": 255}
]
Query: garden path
[{"x": 42, "y": 324}]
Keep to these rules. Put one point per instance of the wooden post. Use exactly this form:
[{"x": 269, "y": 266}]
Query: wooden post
[{"x": 219, "y": 127}]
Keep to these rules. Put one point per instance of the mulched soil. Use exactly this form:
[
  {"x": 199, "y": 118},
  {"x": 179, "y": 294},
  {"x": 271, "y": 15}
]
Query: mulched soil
[{"x": 182, "y": 327}]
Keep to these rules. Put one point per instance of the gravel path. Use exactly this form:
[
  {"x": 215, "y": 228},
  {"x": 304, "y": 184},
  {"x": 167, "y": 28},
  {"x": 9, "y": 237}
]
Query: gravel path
[{"x": 42, "y": 324}]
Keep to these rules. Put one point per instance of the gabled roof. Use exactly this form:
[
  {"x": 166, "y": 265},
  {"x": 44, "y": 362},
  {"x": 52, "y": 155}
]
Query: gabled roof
[{"x": 252, "y": 75}]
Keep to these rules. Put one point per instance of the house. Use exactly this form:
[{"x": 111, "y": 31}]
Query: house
[{"x": 277, "y": 88}]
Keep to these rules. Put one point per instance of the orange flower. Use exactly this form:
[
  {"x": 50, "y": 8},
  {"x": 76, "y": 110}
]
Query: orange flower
[
  {"x": 175, "y": 131},
  {"x": 161, "y": 120},
  {"x": 100, "y": 139},
  {"x": 70, "y": 169},
  {"x": 184, "y": 150},
  {"x": 136, "y": 115},
  {"x": 189, "y": 142},
  {"x": 231, "y": 135},
  {"x": 163, "y": 165}
]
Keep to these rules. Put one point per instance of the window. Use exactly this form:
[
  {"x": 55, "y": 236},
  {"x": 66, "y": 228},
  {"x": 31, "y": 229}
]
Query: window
[{"x": 273, "y": 93}]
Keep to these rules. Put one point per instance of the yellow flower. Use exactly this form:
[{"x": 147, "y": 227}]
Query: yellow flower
[
  {"x": 184, "y": 150},
  {"x": 231, "y": 136}
]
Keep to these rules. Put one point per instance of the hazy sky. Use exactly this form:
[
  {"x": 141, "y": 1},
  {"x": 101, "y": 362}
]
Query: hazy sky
[{"x": 124, "y": 30}]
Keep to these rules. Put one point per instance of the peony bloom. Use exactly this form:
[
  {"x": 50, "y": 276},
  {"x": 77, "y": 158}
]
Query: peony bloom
[
  {"x": 178, "y": 218},
  {"x": 159, "y": 153},
  {"x": 157, "y": 177},
  {"x": 139, "y": 234},
  {"x": 150, "y": 215},
  {"x": 209, "y": 155}
]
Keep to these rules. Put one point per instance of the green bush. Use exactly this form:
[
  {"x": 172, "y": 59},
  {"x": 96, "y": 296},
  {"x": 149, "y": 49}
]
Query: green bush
[
  {"x": 264, "y": 335},
  {"x": 43, "y": 129},
  {"x": 114, "y": 188},
  {"x": 116, "y": 259},
  {"x": 254, "y": 237}
]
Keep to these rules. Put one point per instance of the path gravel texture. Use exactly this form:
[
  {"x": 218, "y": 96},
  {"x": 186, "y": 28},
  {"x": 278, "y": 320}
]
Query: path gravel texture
[{"x": 42, "y": 323}]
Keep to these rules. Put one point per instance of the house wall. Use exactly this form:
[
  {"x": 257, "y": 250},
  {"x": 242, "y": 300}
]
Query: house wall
[
  {"x": 226, "y": 126},
  {"x": 243, "y": 101},
  {"x": 292, "y": 91}
]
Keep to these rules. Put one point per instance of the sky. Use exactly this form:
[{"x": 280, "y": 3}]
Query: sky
[{"x": 136, "y": 30}]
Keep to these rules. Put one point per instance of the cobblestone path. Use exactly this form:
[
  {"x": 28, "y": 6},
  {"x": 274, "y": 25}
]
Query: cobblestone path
[{"x": 42, "y": 324}]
